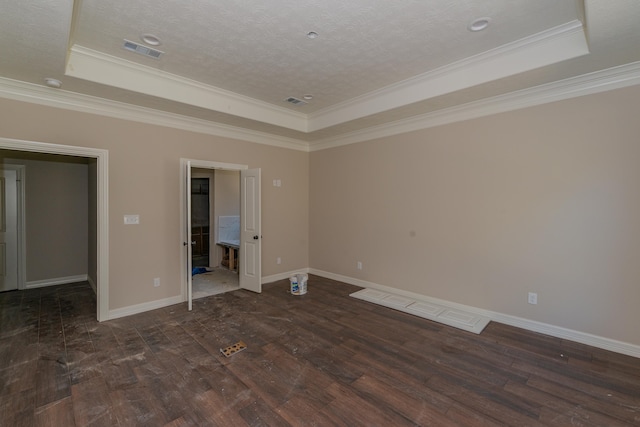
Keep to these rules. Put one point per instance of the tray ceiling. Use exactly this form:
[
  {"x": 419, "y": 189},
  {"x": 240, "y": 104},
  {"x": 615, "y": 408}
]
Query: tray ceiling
[{"x": 234, "y": 64}]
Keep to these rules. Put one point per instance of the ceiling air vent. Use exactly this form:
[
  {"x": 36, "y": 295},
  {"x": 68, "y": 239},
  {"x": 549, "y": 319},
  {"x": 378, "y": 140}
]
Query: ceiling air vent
[
  {"x": 142, "y": 50},
  {"x": 295, "y": 101}
]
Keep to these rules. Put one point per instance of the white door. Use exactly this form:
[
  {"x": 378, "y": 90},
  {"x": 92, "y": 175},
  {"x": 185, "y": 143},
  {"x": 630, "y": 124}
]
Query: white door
[
  {"x": 8, "y": 230},
  {"x": 188, "y": 244},
  {"x": 250, "y": 268}
]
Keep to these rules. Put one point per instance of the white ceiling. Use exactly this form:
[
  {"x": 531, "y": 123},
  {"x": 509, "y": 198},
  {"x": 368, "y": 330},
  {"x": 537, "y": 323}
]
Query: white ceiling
[{"x": 374, "y": 64}]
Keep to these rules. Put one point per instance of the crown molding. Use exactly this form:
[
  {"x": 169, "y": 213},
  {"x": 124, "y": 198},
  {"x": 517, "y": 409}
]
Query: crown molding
[
  {"x": 591, "y": 83},
  {"x": 37, "y": 94},
  {"x": 554, "y": 45},
  {"x": 599, "y": 81},
  {"x": 548, "y": 47},
  {"x": 88, "y": 64}
]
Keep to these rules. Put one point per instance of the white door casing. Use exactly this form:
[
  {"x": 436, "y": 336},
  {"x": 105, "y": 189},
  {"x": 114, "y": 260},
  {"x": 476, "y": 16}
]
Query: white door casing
[
  {"x": 187, "y": 242},
  {"x": 185, "y": 219},
  {"x": 8, "y": 230},
  {"x": 250, "y": 231},
  {"x": 102, "y": 159}
]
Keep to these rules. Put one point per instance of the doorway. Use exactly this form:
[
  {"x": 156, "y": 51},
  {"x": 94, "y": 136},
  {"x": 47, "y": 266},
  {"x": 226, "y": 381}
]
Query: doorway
[
  {"x": 215, "y": 200},
  {"x": 200, "y": 221},
  {"x": 98, "y": 181},
  {"x": 248, "y": 244},
  {"x": 10, "y": 227}
]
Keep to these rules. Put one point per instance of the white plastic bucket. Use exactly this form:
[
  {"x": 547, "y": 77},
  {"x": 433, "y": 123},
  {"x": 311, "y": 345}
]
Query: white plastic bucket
[
  {"x": 299, "y": 284},
  {"x": 295, "y": 289},
  {"x": 302, "y": 283}
]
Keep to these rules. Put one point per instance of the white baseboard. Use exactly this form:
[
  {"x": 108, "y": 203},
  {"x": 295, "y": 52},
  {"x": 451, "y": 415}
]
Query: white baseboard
[
  {"x": 57, "y": 281},
  {"x": 152, "y": 305},
  {"x": 286, "y": 275},
  {"x": 145, "y": 306},
  {"x": 531, "y": 325},
  {"x": 93, "y": 284}
]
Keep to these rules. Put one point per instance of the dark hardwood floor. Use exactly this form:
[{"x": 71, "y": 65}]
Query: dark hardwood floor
[{"x": 321, "y": 359}]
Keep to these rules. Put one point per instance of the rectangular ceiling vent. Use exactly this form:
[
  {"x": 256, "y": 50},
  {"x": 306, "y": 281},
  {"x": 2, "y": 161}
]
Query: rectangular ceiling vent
[
  {"x": 295, "y": 101},
  {"x": 142, "y": 50}
]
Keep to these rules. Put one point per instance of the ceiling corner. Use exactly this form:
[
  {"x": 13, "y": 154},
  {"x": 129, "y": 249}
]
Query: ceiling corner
[
  {"x": 97, "y": 67},
  {"x": 557, "y": 44}
]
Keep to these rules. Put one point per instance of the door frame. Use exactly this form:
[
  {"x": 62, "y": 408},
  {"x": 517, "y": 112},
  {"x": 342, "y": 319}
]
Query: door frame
[
  {"x": 102, "y": 208},
  {"x": 20, "y": 232},
  {"x": 200, "y": 164},
  {"x": 20, "y": 221}
]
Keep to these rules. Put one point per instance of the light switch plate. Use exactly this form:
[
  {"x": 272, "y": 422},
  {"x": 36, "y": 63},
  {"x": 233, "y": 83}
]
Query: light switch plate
[{"x": 131, "y": 219}]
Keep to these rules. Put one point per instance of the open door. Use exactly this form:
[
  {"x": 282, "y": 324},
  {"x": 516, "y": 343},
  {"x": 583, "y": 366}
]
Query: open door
[
  {"x": 8, "y": 230},
  {"x": 187, "y": 243},
  {"x": 250, "y": 269}
]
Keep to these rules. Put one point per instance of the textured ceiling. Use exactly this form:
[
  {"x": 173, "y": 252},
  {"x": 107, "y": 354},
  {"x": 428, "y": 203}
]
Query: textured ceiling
[
  {"x": 247, "y": 57},
  {"x": 260, "y": 49}
]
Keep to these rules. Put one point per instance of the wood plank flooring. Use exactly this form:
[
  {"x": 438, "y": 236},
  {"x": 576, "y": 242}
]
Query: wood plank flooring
[{"x": 321, "y": 359}]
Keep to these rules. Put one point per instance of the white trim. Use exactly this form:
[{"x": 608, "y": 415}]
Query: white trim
[
  {"x": 92, "y": 284},
  {"x": 201, "y": 164},
  {"x": 36, "y": 94},
  {"x": 519, "y": 322},
  {"x": 556, "y": 44},
  {"x": 22, "y": 229},
  {"x": 57, "y": 281},
  {"x": 281, "y": 276},
  {"x": 97, "y": 67},
  {"x": 21, "y": 234},
  {"x": 145, "y": 306},
  {"x": 206, "y": 164},
  {"x": 587, "y": 84},
  {"x": 102, "y": 158},
  {"x": 548, "y": 47},
  {"x": 573, "y": 87}
]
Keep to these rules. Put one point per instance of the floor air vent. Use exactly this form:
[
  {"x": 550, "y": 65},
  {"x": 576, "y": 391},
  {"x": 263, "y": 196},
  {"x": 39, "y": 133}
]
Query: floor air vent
[{"x": 142, "y": 50}]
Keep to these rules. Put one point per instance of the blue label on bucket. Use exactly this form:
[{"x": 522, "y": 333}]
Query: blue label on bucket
[{"x": 294, "y": 288}]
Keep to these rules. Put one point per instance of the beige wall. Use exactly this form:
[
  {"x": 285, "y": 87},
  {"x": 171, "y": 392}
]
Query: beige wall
[
  {"x": 481, "y": 212},
  {"x": 144, "y": 179},
  {"x": 56, "y": 216}
]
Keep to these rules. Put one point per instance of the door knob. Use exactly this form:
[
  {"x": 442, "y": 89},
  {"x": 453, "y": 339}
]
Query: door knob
[{"x": 255, "y": 237}]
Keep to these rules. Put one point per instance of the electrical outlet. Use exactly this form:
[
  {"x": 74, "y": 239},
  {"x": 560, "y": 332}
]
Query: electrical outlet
[
  {"x": 278, "y": 260},
  {"x": 359, "y": 265},
  {"x": 533, "y": 298},
  {"x": 156, "y": 282}
]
